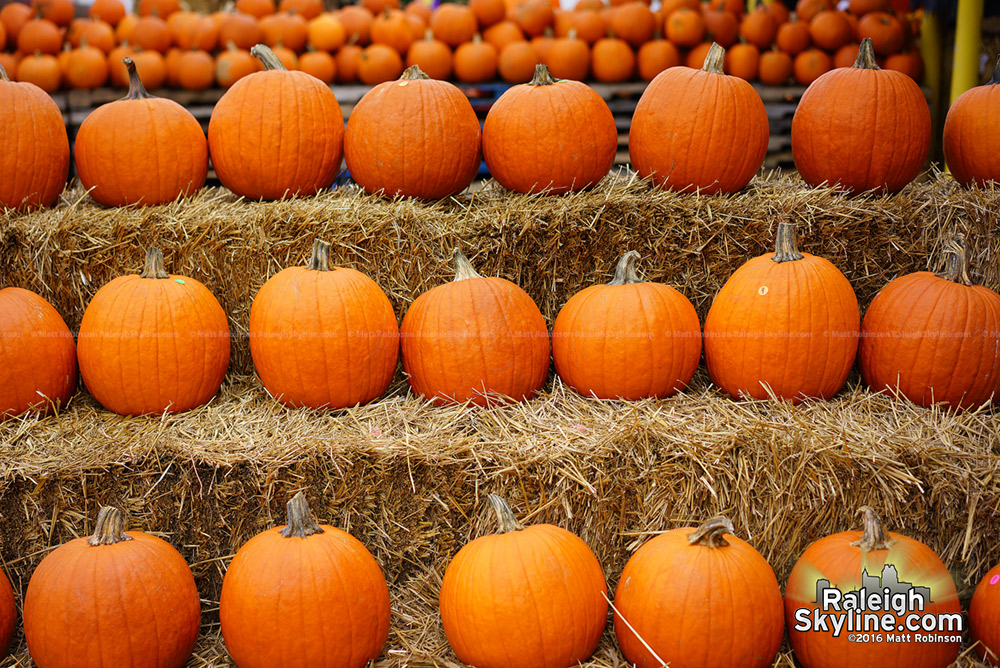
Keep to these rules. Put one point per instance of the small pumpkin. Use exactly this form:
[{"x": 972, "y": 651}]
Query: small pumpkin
[
  {"x": 432, "y": 56},
  {"x": 39, "y": 36},
  {"x": 810, "y": 65},
  {"x": 775, "y": 68},
  {"x": 392, "y": 29},
  {"x": 984, "y": 617},
  {"x": 830, "y": 30},
  {"x": 488, "y": 12},
  {"x": 14, "y": 16},
  {"x": 685, "y": 27},
  {"x": 379, "y": 64},
  {"x": 793, "y": 37},
  {"x": 109, "y": 11},
  {"x": 475, "y": 61},
  {"x": 86, "y": 67},
  {"x": 517, "y": 63},
  {"x": 971, "y": 148},
  {"x": 759, "y": 28},
  {"x": 656, "y": 56},
  {"x": 151, "y": 34},
  {"x": 884, "y": 29},
  {"x": 845, "y": 56},
  {"x": 612, "y": 60},
  {"x": 307, "y": 9},
  {"x": 288, "y": 30},
  {"x": 348, "y": 59},
  {"x": 453, "y": 24},
  {"x": 503, "y": 33},
  {"x": 233, "y": 64},
  {"x": 535, "y": 17},
  {"x": 721, "y": 27},
  {"x": 743, "y": 61},
  {"x": 319, "y": 64},
  {"x": 569, "y": 57},
  {"x": 357, "y": 20},
  {"x": 327, "y": 33},
  {"x": 634, "y": 22},
  {"x": 41, "y": 70}
]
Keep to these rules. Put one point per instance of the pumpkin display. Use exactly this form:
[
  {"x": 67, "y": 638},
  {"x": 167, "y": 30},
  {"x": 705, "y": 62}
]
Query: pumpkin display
[
  {"x": 934, "y": 337},
  {"x": 972, "y": 153},
  {"x": 276, "y": 133},
  {"x": 124, "y": 359},
  {"x": 476, "y": 339},
  {"x": 496, "y": 586},
  {"x": 395, "y": 152},
  {"x": 8, "y": 615},
  {"x": 874, "y": 138},
  {"x": 113, "y": 158},
  {"x": 785, "y": 324},
  {"x": 131, "y": 601},
  {"x": 686, "y": 589},
  {"x": 356, "y": 20},
  {"x": 306, "y": 591},
  {"x": 984, "y": 617},
  {"x": 682, "y": 143},
  {"x": 875, "y": 558},
  {"x": 533, "y": 140}
]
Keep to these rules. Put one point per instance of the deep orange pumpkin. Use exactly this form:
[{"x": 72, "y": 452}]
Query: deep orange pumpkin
[
  {"x": 327, "y": 33},
  {"x": 721, "y": 27},
  {"x": 39, "y": 36},
  {"x": 793, "y": 37},
  {"x": 233, "y": 64},
  {"x": 378, "y": 64},
  {"x": 319, "y": 64},
  {"x": 475, "y": 61},
  {"x": 503, "y": 33},
  {"x": 432, "y": 56},
  {"x": 685, "y": 27},
  {"x": 984, "y": 611},
  {"x": 634, "y": 23},
  {"x": 86, "y": 67},
  {"x": 611, "y": 60},
  {"x": 885, "y": 31},
  {"x": 453, "y": 24},
  {"x": 655, "y": 57},
  {"x": 759, "y": 28},
  {"x": 743, "y": 61},
  {"x": 392, "y": 29},
  {"x": 42, "y": 71},
  {"x": 810, "y": 65},
  {"x": 971, "y": 148},
  {"x": 517, "y": 62},
  {"x": 830, "y": 30},
  {"x": 357, "y": 21},
  {"x": 109, "y": 11},
  {"x": 569, "y": 57},
  {"x": 775, "y": 68}
]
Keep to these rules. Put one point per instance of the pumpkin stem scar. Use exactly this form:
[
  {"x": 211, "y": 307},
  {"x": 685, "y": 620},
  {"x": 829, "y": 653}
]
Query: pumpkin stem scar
[
  {"x": 154, "y": 267},
  {"x": 300, "y": 519},
  {"x": 786, "y": 244},
  {"x": 542, "y": 76},
  {"x": 710, "y": 533},
  {"x": 866, "y": 56},
  {"x": 463, "y": 268},
  {"x": 136, "y": 91},
  {"x": 875, "y": 537},
  {"x": 505, "y": 516},
  {"x": 320, "y": 259},
  {"x": 264, "y": 54},
  {"x": 625, "y": 271},
  {"x": 413, "y": 73},
  {"x": 956, "y": 269},
  {"x": 110, "y": 528},
  {"x": 714, "y": 59}
]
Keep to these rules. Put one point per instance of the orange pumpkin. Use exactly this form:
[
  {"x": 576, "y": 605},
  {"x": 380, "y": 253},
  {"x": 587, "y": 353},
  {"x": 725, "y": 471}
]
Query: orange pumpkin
[
  {"x": 806, "y": 10},
  {"x": 685, "y": 27},
  {"x": 885, "y": 31},
  {"x": 810, "y": 65},
  {"x": 488, "y": 12},
  {"x": 98, "y": 34},
  {"x": 503, "y": 33},
  {"x": 201, "y": 33},
  {"x": 862, "y": 7},
  {"x": 534, "y": 17},
  {"x": 655, "y": 57},
  {"x": 256, "y": 8},
  {"x": 845, "y": 56},
  {"x": 971, "y": 151},
  {"x": 152, "y": 34},
  {"x": 233, "y": 64},
  {"x": 379, "y": 64},
  {"x": 347, "y": 60},
  {"x": 475, "y": 61},
  {"x": 60, "y": 12},
  {"x": 721, "y": 27},
  {"x": 14, "y": 16},
  {"x": 44, "y": 72},
  {"x": 86, "y": 67},
  {"x": 612, "y": 60},
  {"x": 775, "y": 68},
  {"x": 109, "y": 11},
  {"x": 909, "y": 63},
  {"x": 569, "y": 57},
  {"x": 589, "y": 26},
  {"x": 453, "y": 24},
  {"x": 357, "y": 21},
  {"x": 697, "y": 56},
  {"x": 319, "y": 64},
  {"x": 634, "y": 23},
  {"x": 432, "y": 56},
  {"x": 307, "y": 9},
  {"x": 392, "y": 29},
  {"x": 161, "y": 8},
  {"x": 984, "y": 610},
  {"x": 759, "y": 28},
  {"x": 830, "y": 30},
  {"x": 793, "y": 38},
  {"x": 742, "y": 61},
  {"x": 327, "y": 33},
  {"x": 40, "y": 36},
  {"x": 286, "y": 30},
  {"x": 517, "y": 62}
]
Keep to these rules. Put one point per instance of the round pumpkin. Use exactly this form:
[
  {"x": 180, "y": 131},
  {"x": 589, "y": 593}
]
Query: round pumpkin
[
  {"x": 759, "y": 28},
  {"x": 392, "y": 29},
  {"x": 475, "y": 61},
  {"x": 742, "y": 61},
  {"x": 775, "y": 68},
  {"x": 785, "y": 324},
  {"x": 534, "y": 17},
  {"x": 830, "y": 30},
  {"x": 698, "y": 597},
  {"x": 453, "y": 24},
  {"x": 793, "y": 37},
  {"x": 971, "y": 148},
  {"x": 233, "y": 64},
  {"x": 984, "y": 617},
  {"x": 884, "y": 29},
  {"x": 256, "y": 8},
  {"x": 496, "y": 586},
  {"x": 125, "y": 360},
  {"x": 151, "y": 34},
  {"x": 611, "y": 60},
  {"x": 429, "y": 155},
  {"x": 476, "y": 339},
  {"x": 655, "y": 57},
  {"x": 109, "y": 11},
  {"x": 503, "y": 33},
  {"x": 327, "y": 33},
  {"x": 39, "y": 36},
  {"x": 319, "y": 64},
  {"x": 379, "y": 63},
  {"x": 131, "y": 601},
  {"x": 13, "y": 16},
  {"x": 810, "y": 65},
  {"x": 357, "y": 21},
  {"x": 569, "y": 57},
  {"x": 307, "y": 593},
  {"x": 861, "y": 128},
  {"x": 42, "y": 71},
  {"x": 488, "y": 12},
  {"x": 432, "y": 56},
  {"x": 634, "y": 23},
  {"x": 86, "y": 67},
  {"x": 517, "y": 63},
  {"x": 685, "y": 27},
  {"x": 721, "y": 27},
  {"x": 347, "y": 60}
]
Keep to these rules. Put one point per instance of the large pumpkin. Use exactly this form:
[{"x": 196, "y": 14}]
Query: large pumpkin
[
  {"x": 861, "y": 128},
  {"x": 699, "y": 129},
  {"x": 304, "y": 594},
  {"x": 984, "y": 617},
  {"x": 32, "y": 171},
  {"x": 37, "y": 354},
  {"x": 549, "y": 136},
  {"x": 324, "y": 337},
  {"x": 694, "y": 597},
  {"x": 628, "y": 339},
  {"x": 276, "y": 133},
  {"x": 875, "y": 559},
  {"x": 415, "y": 137},
  {"x": 473, "y": 339},
  {"x": 934, "y": 337},
  {"x": 785, "y": 324},
  {"x": 153, "y": 342},
  {"x": 525, "y": 597},
  {"x": 971, "y": 147},
  {"x": 117, "y": 598}
]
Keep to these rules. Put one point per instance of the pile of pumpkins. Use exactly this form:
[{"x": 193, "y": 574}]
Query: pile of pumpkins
[{"x": 307, "y": 594}]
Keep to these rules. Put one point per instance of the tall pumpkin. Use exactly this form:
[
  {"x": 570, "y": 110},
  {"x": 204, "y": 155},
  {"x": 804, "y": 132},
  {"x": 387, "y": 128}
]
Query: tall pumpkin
[
  {"x": 861, "y": 128},
  {"x": 984, "y": 617},
  {"x": 549, "y": 136},
  {"x": 787, "y": 321},
  {"x": 474, "y": 338},
  {"x": 415, "y": 137},
  {"x": 971, "y": 148},
  {"x": 628, "y": 339},
  {"x": 153, "y": 342},
  {"x": 699, "y": 129},
  {"x": 842, "y": 561},
  {"x": 116, "y": 598},
  {"x": 695, "y": 597},
  {"x": 33, "y": 170},
  {"x": 304, "y": 594},
  {"x": 525, "y": 597},
  {"x": 322, "y": 336},
  {"x": 141, "y": 149},
  {"x": 276, "y": 133}
]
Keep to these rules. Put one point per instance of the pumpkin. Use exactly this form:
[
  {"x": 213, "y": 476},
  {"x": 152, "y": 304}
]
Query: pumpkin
[
  {"x": 775, "y": 68},
  {"x": 685, "y": 27},
  {"x": 8, "y": 615},
  {"x": 131, "y": 601},
  {"x": 685, "y": 590},
  {"x": 655, "y": 57},
  {"x": 3, "y": 37},
  {"x": 40, "y": 36},
  {"x": 378, "y": 6},
  {"x": 431, "y": 55},
  {"x": 123, "y": 359},
  {"x": 476, "y": 339},
  {"x": 307, "y": 9},
  {"x": 845, "y": 56},
  {"x": 543, "y": 43},
  {"x": 348, "y": 59},
  {"x": 793, "y": 38},
  {"x": 201, "y": 33},
  {"x": 569, "y": 57},
  {"x": 197, "y": 71},
  {"x": 357, "y": 21},
  {"x": 161, "y": 8},
  {"x": 42, "y": 71},
  {"x": 263, "y": 150},
  {"x": 109, "y": 11},
  {"x": 453, "y": 24},
  {"x": 683, "y": 143},
  {"x": 841, "y": 561},
  {"x": 696, "y": 57},
  {"x": 327, "y": 33},
  {"x": 306, "y": 592},
  {"x": 393, "y": 151},
  {"x": 503, "y": 33},
  {"x": 970, "y": 148},
  {"x": 910, "y": 63},
  {"x": 319, "y": 64},
  {"x": 419, "y": 9},
  {"x": 287, "y": 30},
  {"x": 785, "y": 324},
  {"x": 517, "y": 62},
  {"x": 13, "y": 16},
  {"x": 98, "y": 34},
  {"x": 534, "y": 17},
  {"x": 885, "y": 31},
  {"x": 759, "y": 28},
  {"x": 152, "y": 34},
  {"x": 288, "y": 58},
  {"x": 256, "y": 8},
  {"x": 392, "y": 29},
  {"x": 612, "y": 60},
  {"x": 629, "y": 339},
  {"x": 86, "y": 68},
  {"x": 830, "y": 30},
  {"x": 810, "y": 65},
  {"x": 984, "y": 617},
  {"x": 233, "y": 64},
  {"x": 634, "y": 23},
  {"x": 588, "y": 25},
  {"x": 777, "y": 9},
  {"x": 475, "y": 61},
  {"x": 721, "y": 27},
  {"x": 379, "y": 64},
  {"x": 125, "y": 28},
  {"x": 862, "y": 7},
  {"x": 806, "y": 10},
  {"x": 496, "y": 586},
  {"x": 32, "y": 173},
  {"x": 742, "y": 61},
  {"x": 488, "y": 12},
  {"x": 934, "y": 337},
  {"x": 874, "y": 138}
]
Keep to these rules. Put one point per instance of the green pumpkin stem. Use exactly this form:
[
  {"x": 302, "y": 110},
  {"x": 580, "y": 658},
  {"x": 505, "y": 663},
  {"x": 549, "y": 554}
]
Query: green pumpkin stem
[
  {"x": 463, "y": 268},
  {"x": 413, "y": 73},
  {"x": 785, "y": 244},
  {"x": 154, "y": 267},
  {"x": 542, "y": 76},
  {"x": 264, "y": 54},
  {"x": 710, "y": 533},
  {"x": 625, "y": 271},
  {"x": 995, "y": 79},
  {"x": 714, "y": 60},
  {"x": 3, "y": 74},
  {"x": 866, "y": 56},
  {"x": 320, "y": 258},
  {"x": 136, "y": 91},
  {"x": 110, "y": 528},
  {"x": 956, "y": 268},
  {"x": 300, "y": 519},
  {"x": 875, "y": 537},
  {"x": 505, "y": 516}
]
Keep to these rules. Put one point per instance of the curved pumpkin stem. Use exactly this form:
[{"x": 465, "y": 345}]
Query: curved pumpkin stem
[
  {"x": 713, "y": 61},
  {"x": 110, "y": 528},
  {"x": 463, "y": 268},
  {"x": 957, "y": 268},
  {"x": 995, "y": 79},
  {"x": 710, "y": 533},
  {"x": 3, "y": 74},
  {"x": 875, "y": 537},
  {"x": 786, "y": 244},
  {"x": 300, "y": 519},
  {"x": 625, "y": 271},
  {"x": 136, "y": 91},
  {"x": 542, "y": 76},
  {"x": 263, "y": 53},
  {"x": 320, "y": 259},
  {"x": 413, "y": 73},
  {"x": 866, "y": 56},
  {"x": 505, "y": 516},
  {"x": 154, "y": 267}
]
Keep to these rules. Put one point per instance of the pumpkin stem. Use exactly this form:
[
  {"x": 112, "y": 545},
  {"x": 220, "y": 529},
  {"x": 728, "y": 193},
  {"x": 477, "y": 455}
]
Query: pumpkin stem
[
  {"x": 3, "y": 74},
  {"x": 875, "y": 536},
  {"x": 463, "y": 268},
  {"x": 231, "y": 46},
  {"x": 995, "y": 79},
  {"x": 957, "y": 268},
  {"x": 542, "y": 76},
  {"x": 710, "y": 533},
  {"x": 110, "y": 528},
  {"x": 625, "y": 271},
  {"x": 713, "y": 61},
  {"x": 785, "y": 244},
  {"x": 413, "y": 73},
  {"x": 136, "y": 91},
  {"x": 505, "y": 516},
  {"x": 866, "y": 56},
  {"x": 263, "y": 53},
  {"x": 320, "y": 259},
  {"x": 154, "y": 267},
  {"x": 300, "y": 519},
  {"x": 428, "y": 35}
]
